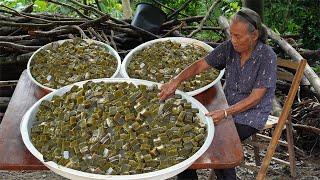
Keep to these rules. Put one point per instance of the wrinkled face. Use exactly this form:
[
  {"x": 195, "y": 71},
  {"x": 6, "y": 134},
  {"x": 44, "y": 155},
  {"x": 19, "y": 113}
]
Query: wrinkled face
[{"x": 242, "y": 40}]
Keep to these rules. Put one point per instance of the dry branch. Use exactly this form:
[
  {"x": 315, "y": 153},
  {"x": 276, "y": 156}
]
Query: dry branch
[
  {"x": 307, "y": 128},
  {"x": 98, "y": 36},
  {"x": 18, "y": 46},
  {"x": 308, "y": 52},
  {"x": 113, "y": 44},
  {"x": 15, "y": 38}
]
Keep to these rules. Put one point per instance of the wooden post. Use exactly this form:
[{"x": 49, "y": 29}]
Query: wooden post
[
  {"x": 282, "y": 120},
  {"x": 256, "y": 150},
  {"x": 292, "y": 156}
]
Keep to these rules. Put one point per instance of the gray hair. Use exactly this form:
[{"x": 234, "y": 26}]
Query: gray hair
[{"x": 253, "y": 20}]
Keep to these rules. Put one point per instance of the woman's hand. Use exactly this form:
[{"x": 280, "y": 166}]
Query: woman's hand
[
  {"x": 168, "y": 89},
  {"x": 217, "y": 115}
]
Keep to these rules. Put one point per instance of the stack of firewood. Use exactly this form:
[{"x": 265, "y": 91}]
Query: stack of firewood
[{"x": 21, "y": 33}]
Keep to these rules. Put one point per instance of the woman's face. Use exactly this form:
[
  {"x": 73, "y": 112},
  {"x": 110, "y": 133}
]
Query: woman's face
[{"x": 242, "y": 40}]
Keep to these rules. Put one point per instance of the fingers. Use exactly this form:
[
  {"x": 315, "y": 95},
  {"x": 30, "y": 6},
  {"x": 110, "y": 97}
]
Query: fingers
[
  {"x": 164, "y": 96},
  {"x": 210, "y": 113},
  {"x": 216, "y": 122},
  {"x": 166, "y": 91},
  {"x": 162, "y": 91},
  {"x": 215, "y": 116}
]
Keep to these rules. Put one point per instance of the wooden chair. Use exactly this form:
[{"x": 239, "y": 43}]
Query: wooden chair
[{"x": 279, "y": 123}]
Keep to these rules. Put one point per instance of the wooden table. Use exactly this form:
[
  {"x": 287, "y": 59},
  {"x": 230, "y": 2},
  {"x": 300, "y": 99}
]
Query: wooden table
[{"x": 224, "y": 152}]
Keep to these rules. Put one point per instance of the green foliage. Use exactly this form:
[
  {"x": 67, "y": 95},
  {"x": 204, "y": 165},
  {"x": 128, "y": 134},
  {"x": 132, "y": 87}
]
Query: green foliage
[
  {"x": 316, "y": 69},
  {"x": 229, "y": 7},
  {"x": 16, "y": 4},
  {"x": 299, "y": 17},
  {"x": 194, "y": 8},
  {"x": 112, "y": 7}
]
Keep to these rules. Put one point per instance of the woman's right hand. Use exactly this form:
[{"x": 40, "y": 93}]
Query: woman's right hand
[{"x": 168, "y": 89}]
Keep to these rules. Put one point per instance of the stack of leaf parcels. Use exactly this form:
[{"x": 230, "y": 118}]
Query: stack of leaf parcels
[
  {"x": 116, "y": 128},
  {"x": 71, "y": 62},
  {"x": 162, "y": 61}
]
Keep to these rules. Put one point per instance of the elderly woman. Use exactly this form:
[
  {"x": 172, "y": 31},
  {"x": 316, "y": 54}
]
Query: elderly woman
[{"x": 250, "y": 75}]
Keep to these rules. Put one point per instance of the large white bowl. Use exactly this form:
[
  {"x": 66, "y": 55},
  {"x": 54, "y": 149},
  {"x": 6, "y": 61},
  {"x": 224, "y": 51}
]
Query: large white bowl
[
  {"x": 181, "y": 40},
  {"x": 29, "y": 117},
  {"x": 47, "y": 46}
]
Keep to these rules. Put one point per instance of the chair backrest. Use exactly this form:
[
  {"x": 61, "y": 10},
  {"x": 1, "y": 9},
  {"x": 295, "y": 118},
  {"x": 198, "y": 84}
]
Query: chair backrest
[
  {"x": 285, "y": 72},
  {"x": 285, "y": 112},
  {"x": 284, "y": 64}
]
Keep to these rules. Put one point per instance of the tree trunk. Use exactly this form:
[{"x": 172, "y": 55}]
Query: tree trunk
[
  {"x": 127, "y": 12},
  {"x": 308, "y": 71},
  {"x": 256, "y": 5}
]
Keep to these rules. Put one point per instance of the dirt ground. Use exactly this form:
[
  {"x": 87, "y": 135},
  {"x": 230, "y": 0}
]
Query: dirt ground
[{"x": 308, "y": 168}]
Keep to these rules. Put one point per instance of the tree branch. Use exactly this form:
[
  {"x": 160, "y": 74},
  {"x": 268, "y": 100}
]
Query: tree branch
[
  {"x": 70, "y": 7},
  {"x": 28, "y": 25},
  {"x": 204, "y": 19},
  {"x": 308, "y": 52},
  {"x": 178, "y": 21},
  {"x": 163, "y": 5},
  {"x": 90, "y": 8},
  {"x": 15, "y": 38},
  {"x": 307, "y": 128},
  {"x": 99, "y": 38},
  {"x": 175, "y": 28},
  {"x": 203, "y": 28},
  {"x": 184, "y": 5}
]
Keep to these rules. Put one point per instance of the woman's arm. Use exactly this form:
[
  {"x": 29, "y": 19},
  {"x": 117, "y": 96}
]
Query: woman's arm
[
  {"x": 252, "y": 100},
  {"x": 192, "y": 70}
]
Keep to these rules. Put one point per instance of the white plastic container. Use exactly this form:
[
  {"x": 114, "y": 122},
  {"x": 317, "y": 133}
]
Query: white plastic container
[
  {"x": 180, "y": 40},
  {"x": 29, "y": 117},
  {"x": 47, "y": 46}
]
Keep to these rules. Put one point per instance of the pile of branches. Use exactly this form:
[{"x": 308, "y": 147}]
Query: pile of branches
[
  {"x": 305, "y": 115},
  {"x": 305, "y": 118},
  {"x": 23, "y": 32}
]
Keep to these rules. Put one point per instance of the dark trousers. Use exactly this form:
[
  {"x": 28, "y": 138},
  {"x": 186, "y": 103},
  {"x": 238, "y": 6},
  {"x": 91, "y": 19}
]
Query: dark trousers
[{"x": 244, "y": 132}]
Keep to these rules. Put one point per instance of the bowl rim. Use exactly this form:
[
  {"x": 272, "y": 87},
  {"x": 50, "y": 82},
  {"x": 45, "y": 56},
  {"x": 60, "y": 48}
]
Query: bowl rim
[
  {"x": 68, "y": 172},
  {"x": 112, "y": 51},
  {"x": 183, "y": 40}
]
